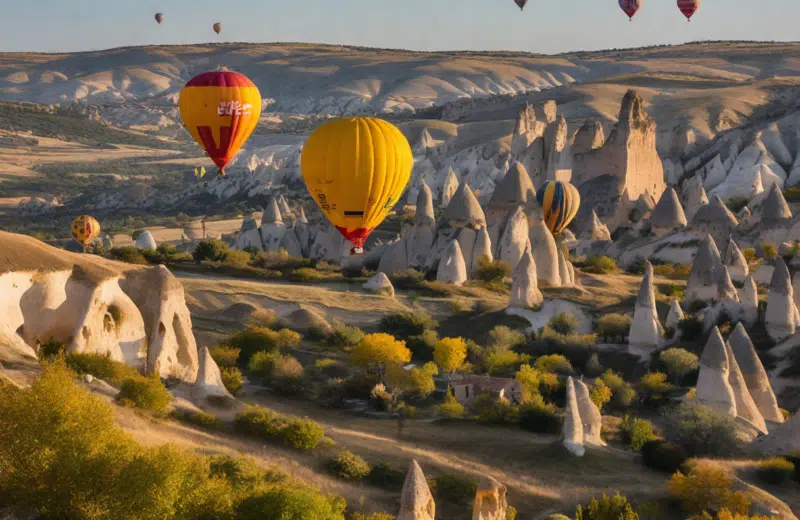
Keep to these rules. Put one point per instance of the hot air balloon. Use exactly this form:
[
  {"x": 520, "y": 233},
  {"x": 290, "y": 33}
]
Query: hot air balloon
[
  {"x": 159, "y": 17},
  {"x": 521, "y": 4},
  {"x": 217, "y": 27},
  {"x": 220, "y": 109},
  {"x": 630, "y": 7},
  {"x": 202, "y": 172},
  {"x": 560, "y": 202},
  {"x": 85, "y": 229},
  {"x": 356, "y": 168},
  {"x": 688, "y": 8}
]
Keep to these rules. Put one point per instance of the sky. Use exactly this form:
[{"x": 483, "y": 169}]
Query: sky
[{"x": 546, "y": 26}]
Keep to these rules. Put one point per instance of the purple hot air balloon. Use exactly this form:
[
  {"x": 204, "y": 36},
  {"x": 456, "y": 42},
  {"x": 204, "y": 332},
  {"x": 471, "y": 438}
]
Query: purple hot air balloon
[
  {"x": 630, "y": 7},
  {"x": 521, "y": 4}
]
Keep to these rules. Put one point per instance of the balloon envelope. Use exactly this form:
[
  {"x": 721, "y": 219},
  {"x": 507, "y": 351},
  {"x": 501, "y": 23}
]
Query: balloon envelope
[
  {"x": 688, "y": 7},
  {"x": 356, "y": 169},
  {"x": 159, "y": 17},
  {"x": 521, "y": 4},
  {"x": 560, "y": 202},
  {"x": 85, "y": 229},
  {"x": 220, "y": 109},
  {"x": 630, "y": 6},
  {"x": 218, "y": 28}
]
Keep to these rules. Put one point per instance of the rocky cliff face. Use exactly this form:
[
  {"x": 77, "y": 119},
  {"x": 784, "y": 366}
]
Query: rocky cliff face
[{"x": 136, "y": 316}]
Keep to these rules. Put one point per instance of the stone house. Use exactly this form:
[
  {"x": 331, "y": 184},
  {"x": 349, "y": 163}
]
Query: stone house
[{"x": 467, "y": 388}]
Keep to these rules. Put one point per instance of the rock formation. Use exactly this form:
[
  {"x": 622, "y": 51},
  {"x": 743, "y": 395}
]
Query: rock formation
[
  {"x": 421, "y": 236},
  {"x": 481, "y": 249},
  {"x": 591, "y": 418},
  {"x": 784, "y": 439},
  {"x": 490, "y": 500},
  {"x": 425, "y": 143},
  {"x": 645, "y": 328},
  {"x": 715, "y": 219},
  {"x": 628, "y": 154},
  {"x": 674, "y": 316},
  {"x": 286, "y": 211},
  {"x": 452, "y": 268},
  {"x": 726, "y": 304},
  {"x": 713, "y": 386},
  {"x": 545, "y": 253},
  {"x": 515, "y": 238},
  {"x": 416, "y": 500},
  {"x": 748, "y": 295},
  {"x": 514, "y": 190},
  {"x": 782, "y": 317},
  {"x": 525, "y": 288},
  {"x": 755, "y": 376},
  {"x": 596, "y": 230},
  {"x": 735, "y": 262},
  {"x": 464, "y": 210},
  {"x": 694, "y": 197},
  {"x": 449, "y": 188},
  {"x": 379, "y": 284},
  {"x": 564, "y": 271},
  {"x": 745, "y": 406},
  {"x": 775, "y": 209},
  {"x": 249, "y": 236},
  {"x": 272, "y": 227},
  {"x": 209, "y": 381},
  {"x": 146, "y": 241},
  {"x": 573, "y": 427},
  {"x": 394, "y": 259},
  {"x": 590, "y": 136},
  {"x": 668, "y": 215},
  {"x": 705, "y": 273},
  {"x": 305, "y": 320}
]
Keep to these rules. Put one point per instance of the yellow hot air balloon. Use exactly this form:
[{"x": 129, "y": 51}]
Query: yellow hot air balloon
[
  {"x": 220, "y": 109},
  {"x": 560, "y": 202},
  {"x": 85, "y": 229},
  {"x": 356, "y": 168}
]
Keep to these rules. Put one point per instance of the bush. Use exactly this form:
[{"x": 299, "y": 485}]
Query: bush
[
  {"x": 505, "y": 337},
  {"x": 384, "y": 476},
  {"x": 614, "y": 327},
  {"x": 210, "y": 250},
  {"x": 262, "y": 319},
  {"x": 306, "y": 275},
  {"x": 202, "y": 419},
  {"x": 679, "y": 362},
  {"x": 769, "y": 250},
  {"x": 692, "y": 327},
  {"x": 101, "y": 367},
  {"x": 706, "y": 488},
  {"x": 224, "y": 356},
  {"x": 593, "y": 367},
  {"x": 701, "y": 430},
  {"x": 259, "y": 422},
  {"x": 345, "y": 336},
  {"x": 623, "y": 392},
  {"x": 564, "y": 323},
  {"x": 663, "y": 456},
  {"x": 51, "y": 349},
  {"x": 775, "y": 471},
  {"x": 129, "y": 254},
  {"x": 291, "y": 502},
  {"x": 237, "y": 259},
  {"x": 540, "y": 417},
  {"x": 492, "y": 271},
  {"x": 146, "y": 393},
  {"x": 407, "y": 280},
  {"x": 488, "y": 409},
  {"x": 450, "y": 407},
  {"x": 454, "y": 488},
  {"x": 554, "y": 364},
  {"x": 601, "y": 265},
  {"x": 611, "y": 508},
  {"x": 406, "y": 324},
  {"x": 303, "y": 434},
  {"x": 736, "y": 204},
  {"x": 600, "y": 394},
  {"x": 653, "y": 386},
  {"x": 251, "y": 341},
  {"x": 232, "y": 379},
  {"x": 349, "y": 466},
  {"x": 636, "y": 432}
]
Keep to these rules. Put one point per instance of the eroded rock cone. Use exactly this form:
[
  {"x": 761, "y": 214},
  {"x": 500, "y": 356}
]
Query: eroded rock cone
[
  {"x": 715, "y": 219},
  {"x": 748, "y": 295},
  {"x": 452, "y": 268},
  {"x": 745, "y": 406},
  {"x": 645, "y": 328},
  {"x": 755, "y": 376},
  {"x": 545, "y": 254},
  {"x": 694, "y": 197},
  {"x": 272, "y": 227},
  {"x": 735, "y": 262},
  {"x": 573, "y": 427},
  {"x": 782, "y": 317},
  {"x": 146, "y": 241},
  {"x": 490, "y": 500},
  {"x": 668, "y": 214},
  {"x": 416, "y": 500},
  {"x": 591, "y": 418},
  {"x": 590, "y": 136},
  {"x": 775, "y": 209},
  {"x": 515, "y": 238},
  {"x": 596, "y": 230},
  {"x": 784, "y": 439},
  {"x": 379, "y": 284},
  {"x": 449, "y": 188},
  {"x": 705, "y": 274},
  {"x": 481, "y": 250},
  {"x": 209, "y": 380},
  {"x": 674, "y": 316},
  {"x": 525, "y": 288},
  {"x": 713, "y": 385}
]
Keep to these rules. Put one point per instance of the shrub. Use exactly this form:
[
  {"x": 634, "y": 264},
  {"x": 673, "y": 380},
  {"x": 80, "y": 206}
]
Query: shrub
[
  {"x": 373, "y": 516},
  {"x": 679, "y": 362},
  {"x": 505, "y": 337},
  {"x": 614, "y": 327},
  {"x": 654, "y": 385},
  {"x": 636, "y": 432},
  {"x": 600, "y": 394},
  {"x": 503, "y": 361},
  {"x": 564, "y": 323},
  {"x": 262, "y": 319},
  {"x": 706, "y": 488},
  {"x": 237, "y": 259},
  {"x": 736, "y": 204},
  {"x": 593, "y": 367},
  {"x": 775, "y": 471},
  {"x": 450, "y": 407},
  {"x": 306, "y": 275},
  {"x": 128, "y": 254},
  {"x": 101, "y": 367},
  {"x": 663, "y": 456},
  {"x": 303, "y": 434},
  {"x": 623, "y": 392},
  {"x": 232, "y": 379},
  {"x": 345, "y": 336},
  {"x": 601, "y": 265},
  {"x": 251, "y": 341},
  {"x": 407, "y": 324},
  {"x": 383, "y": 475},
  {"x": 259, "y": 422},
  {"x": 492, "y": 271},
  {"x": 202, "y": 419},
  {"x": 291, "y": 502},
  {"x": 349, "y": 466},
  {"x": 51, "y": 349},
  {"x": 701, "y": 431},
  {"x": 224, "y": 356},
  {"x": 210, "y": 250},
  {"x": 769, "y": 250},
  {"x": 611, "y": 508},
  {"x": 692, "y": 327},
  {"x": 454, "y": 488},
  {"x": 554, "y": 364},
  {"x": 540, "y": 417},
  {"x": 488, "y": 409},
  {"x": 146, "y": 393}
]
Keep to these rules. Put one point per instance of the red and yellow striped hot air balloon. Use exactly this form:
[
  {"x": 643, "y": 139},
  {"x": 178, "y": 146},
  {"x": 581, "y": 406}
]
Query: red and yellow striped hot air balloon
[
  {"x": 85, "y": 229},
  {"x": 688, "y": 8},
  {"x": 220, "y": 109}
]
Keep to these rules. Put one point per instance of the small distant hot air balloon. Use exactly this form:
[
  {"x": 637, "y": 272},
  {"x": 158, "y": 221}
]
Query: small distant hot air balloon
[
  {"x": 202, "y": 171},
  {"x": 630, "y": 7},
  {"x": 220, "y": 109},
  {"x": 159, "y": 17},
  {"x": 217, "y": 27},
  {"x": 560, "y": 202},
  {"x": 85, "y": 229},
  {"x": 356, "y": 169},
  {"x": 688, "y": 8},
  {"x": 521, "y": 4}
]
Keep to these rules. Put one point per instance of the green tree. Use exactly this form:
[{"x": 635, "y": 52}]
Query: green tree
[{"x": 679, "y": 362}]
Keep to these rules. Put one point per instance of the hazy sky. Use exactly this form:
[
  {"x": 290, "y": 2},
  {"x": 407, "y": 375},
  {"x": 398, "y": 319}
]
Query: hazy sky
[{"x": 545, "y": 25}]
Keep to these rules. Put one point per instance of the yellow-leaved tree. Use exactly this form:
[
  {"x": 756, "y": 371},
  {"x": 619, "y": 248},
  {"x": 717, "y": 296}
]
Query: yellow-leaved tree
[
  {"x": 379, "y": 351},
  {"x": 529, "y": 379},
  {"x": 450, "y": 353}
]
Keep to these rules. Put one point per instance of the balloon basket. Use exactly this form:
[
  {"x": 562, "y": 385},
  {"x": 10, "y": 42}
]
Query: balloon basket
[{"x": 357, "y": 251}]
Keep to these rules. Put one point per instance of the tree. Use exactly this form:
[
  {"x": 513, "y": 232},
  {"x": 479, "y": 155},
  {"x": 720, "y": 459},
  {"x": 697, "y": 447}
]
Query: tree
[
  {"x": 679, "y": 362},
  {"x": 378, "y": 351},
  {"x": 529, "y": 379},
  {"x": 706, "y": 488},
  {"x": 450, "y": 353},
  {"x": 418, "y": 380},
  {"x": 600, "y": 394}
]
